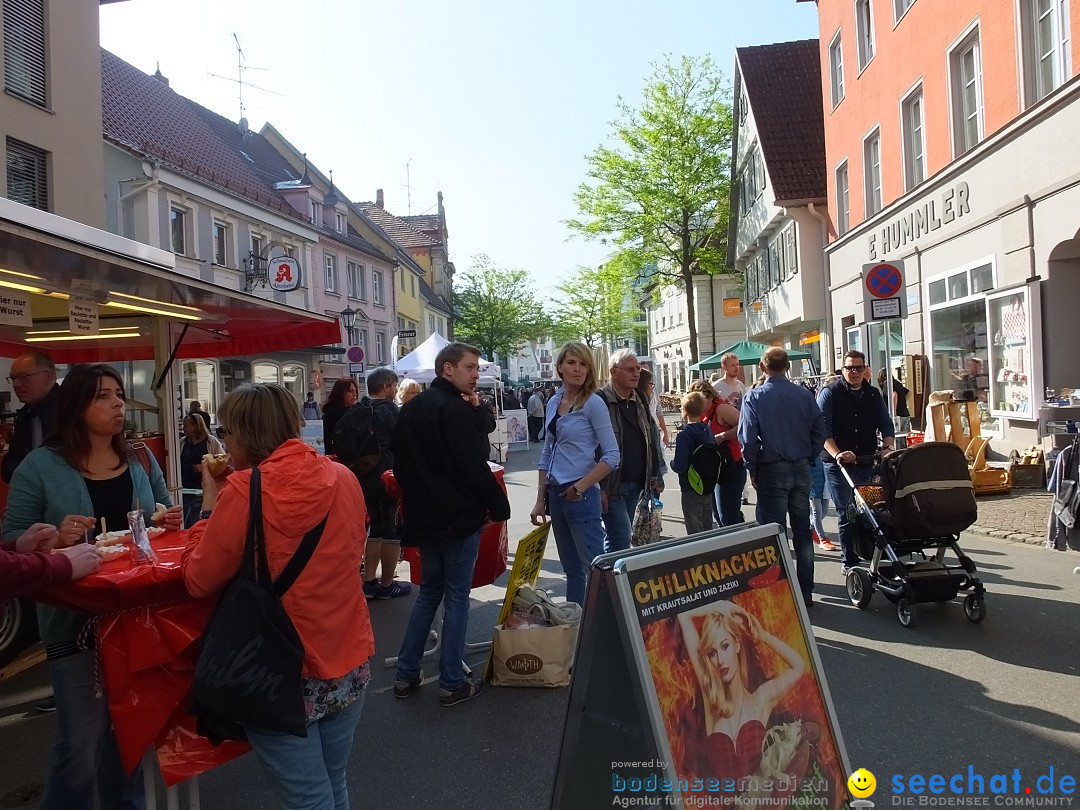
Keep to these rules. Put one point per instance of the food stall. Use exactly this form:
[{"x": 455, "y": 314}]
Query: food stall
[{"x": 85, "y": 295}]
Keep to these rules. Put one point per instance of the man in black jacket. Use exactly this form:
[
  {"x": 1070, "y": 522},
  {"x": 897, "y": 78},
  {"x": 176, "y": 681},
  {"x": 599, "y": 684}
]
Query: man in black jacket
[
  {"x": 33, "y": 376},
  {"x": 383, "y": 544},
  {"x": 854, "y": 414},
  {"x": 449, "y": 492}
]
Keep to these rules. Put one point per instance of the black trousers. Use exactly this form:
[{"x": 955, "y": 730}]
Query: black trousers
[{"x": 536, "y": 427}]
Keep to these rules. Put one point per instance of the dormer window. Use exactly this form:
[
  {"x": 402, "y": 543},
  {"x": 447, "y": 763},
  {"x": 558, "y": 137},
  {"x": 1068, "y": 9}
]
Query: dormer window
[
  {"x": 339, "y": 222},
  {"x": 315, "y": 218}
]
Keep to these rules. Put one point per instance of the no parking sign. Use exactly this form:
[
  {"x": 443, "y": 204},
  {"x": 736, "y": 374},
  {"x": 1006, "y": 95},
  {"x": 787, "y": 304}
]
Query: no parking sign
[{"x": 884, "y": 296}]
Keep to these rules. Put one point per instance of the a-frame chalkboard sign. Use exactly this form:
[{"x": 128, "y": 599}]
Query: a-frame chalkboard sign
[{"x": 697, "y": 682}]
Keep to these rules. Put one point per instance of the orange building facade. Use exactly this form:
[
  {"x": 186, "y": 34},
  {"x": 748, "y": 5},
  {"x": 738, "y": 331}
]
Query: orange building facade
[{"x": 949, "y": 134}]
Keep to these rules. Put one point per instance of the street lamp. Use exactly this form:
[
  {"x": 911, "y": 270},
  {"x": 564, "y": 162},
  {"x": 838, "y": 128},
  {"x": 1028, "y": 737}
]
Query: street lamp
[{"x": 348, "y": 318}]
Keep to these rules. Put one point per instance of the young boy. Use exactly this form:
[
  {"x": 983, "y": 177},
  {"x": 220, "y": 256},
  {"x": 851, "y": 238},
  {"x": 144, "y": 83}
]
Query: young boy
[{"x": 697, "y": 506}]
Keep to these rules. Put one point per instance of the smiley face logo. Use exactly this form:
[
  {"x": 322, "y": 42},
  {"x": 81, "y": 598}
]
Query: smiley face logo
[{"x": 861, "y": 783}]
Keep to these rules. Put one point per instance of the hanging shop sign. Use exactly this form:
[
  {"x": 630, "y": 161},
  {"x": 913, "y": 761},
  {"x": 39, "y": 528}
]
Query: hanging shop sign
[
  {"x": 82, "y": 316},
  {"x": 15, "y": 309}
]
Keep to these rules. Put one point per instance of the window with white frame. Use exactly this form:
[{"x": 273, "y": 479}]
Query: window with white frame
[
  {"x": 376, "y": 286},
  {"x": 864, "y": 29},
  {"x": 339, "y": 222},
  {"x": 791, "y": 262},
  {"x": 25, "y": 65},
  {"x": 772, "y": 260},
  {"x": 959, "y": 334},
  {"x": 914, "y": 133},
  {"x": 412, "y": 285},
  {"x": 965, "y": 77},
  {"x": 355, "y": 273},
  {"x": 900, "y": 7},
  {"x": 836, "y": 69},
  {"x": 257, "y": 244},
  {"x": 843, "y": 200},
  {"x": 380, "y": 347},
  {"x": 331, "y": 272},
  {"x": 221, "y": 243},
  {"x": 27, "y": 174},
  {"x": 401, "y": 278},
  {"x": 361, "y": 335},
  {"x": 314, "y": 212},
  {"x": 178, "y": 229},
  {"x": 1044, "y": 29},
  {"x": 431, "y": 324},
  {"x": 872, "y": 173},
  {"x": 442, "y": 326}
]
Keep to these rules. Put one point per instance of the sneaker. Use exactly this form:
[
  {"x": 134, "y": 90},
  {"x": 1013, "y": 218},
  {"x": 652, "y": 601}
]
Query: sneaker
[
  {"x": 402, "y": 689},
  {"x": 391, "y": 591},
  {"x": 46, "y": 706},
  {"x": 371, "y": 588},
  {"x": 466, "y": 691},
  {"x": 826, "y": 544}
]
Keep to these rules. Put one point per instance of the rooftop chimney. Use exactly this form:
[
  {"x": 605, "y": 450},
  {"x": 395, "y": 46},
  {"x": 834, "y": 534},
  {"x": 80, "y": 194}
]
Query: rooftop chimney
[
  {"x": 378, "y": 197},
  {"x": 158, "y": 75}
]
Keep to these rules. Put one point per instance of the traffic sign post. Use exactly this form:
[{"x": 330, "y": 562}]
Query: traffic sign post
[
  {"x": 355, "y": 354},
  {"x": 885, "y": 299}
]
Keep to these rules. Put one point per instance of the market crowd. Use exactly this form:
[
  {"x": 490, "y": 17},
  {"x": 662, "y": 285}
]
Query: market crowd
[{"x": 402, "y": 465}]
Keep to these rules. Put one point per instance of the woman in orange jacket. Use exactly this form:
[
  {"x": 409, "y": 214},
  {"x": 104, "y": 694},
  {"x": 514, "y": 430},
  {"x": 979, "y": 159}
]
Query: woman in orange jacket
[{"x": 260, "y": 425}]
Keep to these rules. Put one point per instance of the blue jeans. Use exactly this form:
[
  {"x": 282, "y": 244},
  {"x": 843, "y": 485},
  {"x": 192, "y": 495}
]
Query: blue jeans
[
  {"x": 842, "y": 497},
  {"x": 308, "y": 773},
  {"x": 447, "y": 575},
  {"x": 729, "y": 494},
  {"x": 579, "y": 536},
  {"x": 619, "y": 516},
  {"x": 84, "y": 747},
  {"x": 783, "y": 492}
]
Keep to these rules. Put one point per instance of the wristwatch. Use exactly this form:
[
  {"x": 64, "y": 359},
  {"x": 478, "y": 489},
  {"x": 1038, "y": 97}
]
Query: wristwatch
[
  {"x": 574, "y": 487},
  {"x": 205, "y": 514}
]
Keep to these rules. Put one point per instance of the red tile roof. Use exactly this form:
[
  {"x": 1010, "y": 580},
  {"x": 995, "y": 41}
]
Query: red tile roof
[
  {"x": 396, "y": 227},
  {"x": 783, "y": 86},
  {"x": 142, "y": 113}
]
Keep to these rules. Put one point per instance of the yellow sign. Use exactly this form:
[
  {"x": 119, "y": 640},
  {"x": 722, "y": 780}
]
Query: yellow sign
[
  {"x": 732, "y": 307},
  {"x": 861, "y": 783},
  {"x": 528, "y": 560}
]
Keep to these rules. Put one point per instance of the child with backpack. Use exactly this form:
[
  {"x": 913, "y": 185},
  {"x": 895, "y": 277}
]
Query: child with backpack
[{"x": 698, "y": 464}]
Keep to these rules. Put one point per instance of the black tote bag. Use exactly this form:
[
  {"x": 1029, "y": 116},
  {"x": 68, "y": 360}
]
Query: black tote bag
[{"x": 249, "y": 668}]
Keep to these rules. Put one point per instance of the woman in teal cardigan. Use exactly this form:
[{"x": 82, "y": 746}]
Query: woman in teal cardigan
[{"x": 83, "y": 472}]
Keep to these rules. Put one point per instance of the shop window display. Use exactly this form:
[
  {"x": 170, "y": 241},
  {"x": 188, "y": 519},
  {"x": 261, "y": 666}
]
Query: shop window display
[{"x": 1015, "y": 366}]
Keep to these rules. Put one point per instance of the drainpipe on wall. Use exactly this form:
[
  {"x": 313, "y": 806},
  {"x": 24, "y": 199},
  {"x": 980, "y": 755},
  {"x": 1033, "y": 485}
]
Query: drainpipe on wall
[{"x": 827, "y": 360}]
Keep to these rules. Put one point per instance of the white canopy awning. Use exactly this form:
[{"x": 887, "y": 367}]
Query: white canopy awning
[{"x": 419, "y": 364}]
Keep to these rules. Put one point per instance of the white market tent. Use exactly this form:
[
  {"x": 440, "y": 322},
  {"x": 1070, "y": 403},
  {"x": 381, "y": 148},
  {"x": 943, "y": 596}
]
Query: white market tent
[{"x": 419, "y": 364}]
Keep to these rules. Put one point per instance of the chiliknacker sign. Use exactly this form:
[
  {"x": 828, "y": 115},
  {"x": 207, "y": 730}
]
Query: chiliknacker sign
[{"x": 952, "y": 203}]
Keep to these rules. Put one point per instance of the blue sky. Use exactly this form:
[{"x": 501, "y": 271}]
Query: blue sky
[{"x": 493, "y": 103}]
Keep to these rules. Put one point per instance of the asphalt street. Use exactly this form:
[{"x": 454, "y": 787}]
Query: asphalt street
[{"x": 936, "y": 698}]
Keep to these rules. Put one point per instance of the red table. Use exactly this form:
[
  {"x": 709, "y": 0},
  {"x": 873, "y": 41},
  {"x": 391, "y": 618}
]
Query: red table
[{"x": 147, "y": 626}]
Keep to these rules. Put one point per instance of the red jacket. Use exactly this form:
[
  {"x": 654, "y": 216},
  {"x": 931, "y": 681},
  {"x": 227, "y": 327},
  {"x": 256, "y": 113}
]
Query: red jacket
[
  {"x": 326, "y": 603},
  {"x": 25, "y": 574}
]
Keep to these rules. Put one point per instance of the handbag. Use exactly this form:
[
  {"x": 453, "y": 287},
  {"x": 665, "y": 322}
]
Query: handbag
[
  {"x": 249, "y": 668},
  {"x": 1067, "y": 497},
  {"x": 648, "y": 520}
]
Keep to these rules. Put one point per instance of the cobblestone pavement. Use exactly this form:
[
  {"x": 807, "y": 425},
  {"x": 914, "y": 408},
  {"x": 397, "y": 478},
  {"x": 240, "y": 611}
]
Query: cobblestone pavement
[{"x": 1019, "y": 516}]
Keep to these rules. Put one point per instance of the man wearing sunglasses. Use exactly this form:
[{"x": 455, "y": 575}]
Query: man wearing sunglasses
[
  {"x": 855, "y": 413},
  {"x": 33, "y": 378}
]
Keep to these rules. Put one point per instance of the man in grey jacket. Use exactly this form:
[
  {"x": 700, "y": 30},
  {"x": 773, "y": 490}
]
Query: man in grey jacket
[{"x": 635, "y": 430}]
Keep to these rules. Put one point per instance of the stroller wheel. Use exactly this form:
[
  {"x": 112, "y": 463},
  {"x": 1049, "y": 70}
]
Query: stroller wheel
[
  {"x": 905, "y": 611},
  {"x": 975, "y": 608},
  {"x": 859, "y": 589}
]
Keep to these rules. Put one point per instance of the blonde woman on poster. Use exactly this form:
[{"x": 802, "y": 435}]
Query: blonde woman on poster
[{"x": 738, "y": 700}]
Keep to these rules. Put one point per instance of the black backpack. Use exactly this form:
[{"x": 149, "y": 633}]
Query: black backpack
[
  {"x": 706, "y": 463},
  {"x": 355, "y": 442}
]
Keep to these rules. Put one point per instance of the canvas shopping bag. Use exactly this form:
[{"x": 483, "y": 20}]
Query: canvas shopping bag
[{"x": 534, "y": 656}]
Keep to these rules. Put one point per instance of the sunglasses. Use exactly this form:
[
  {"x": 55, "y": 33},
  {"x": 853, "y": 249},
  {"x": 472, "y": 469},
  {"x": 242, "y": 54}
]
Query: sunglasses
[{"x": 856, "y": 369}]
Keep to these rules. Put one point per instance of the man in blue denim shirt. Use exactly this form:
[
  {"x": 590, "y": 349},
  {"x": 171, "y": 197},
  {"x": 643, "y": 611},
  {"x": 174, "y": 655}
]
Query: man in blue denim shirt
[{"x": 781, "y": 428}]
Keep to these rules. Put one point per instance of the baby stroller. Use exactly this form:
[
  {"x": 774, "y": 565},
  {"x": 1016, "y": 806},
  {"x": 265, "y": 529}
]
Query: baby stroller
[{"x": 923, "y": 501}]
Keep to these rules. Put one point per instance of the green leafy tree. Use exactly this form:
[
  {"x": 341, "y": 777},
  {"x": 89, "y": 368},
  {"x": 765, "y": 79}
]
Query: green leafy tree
[
  {"x": 497, "y": 310},
  {"x": 660, "y": 193},
  {"x": 593, "y": 306}
]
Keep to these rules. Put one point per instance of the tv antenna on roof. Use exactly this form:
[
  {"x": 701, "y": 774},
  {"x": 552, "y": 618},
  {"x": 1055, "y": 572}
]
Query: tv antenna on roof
[
  {"x": 240, "y": 68},
  {"x": 408, "y": 187}
]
